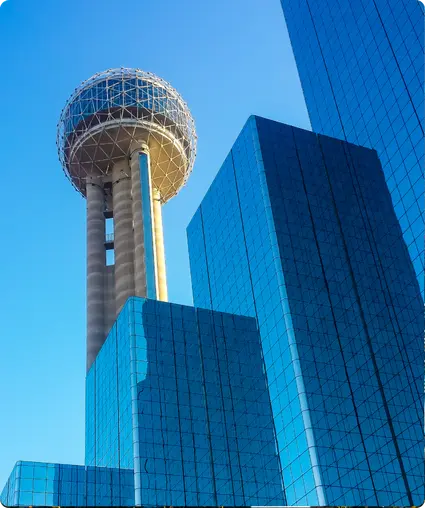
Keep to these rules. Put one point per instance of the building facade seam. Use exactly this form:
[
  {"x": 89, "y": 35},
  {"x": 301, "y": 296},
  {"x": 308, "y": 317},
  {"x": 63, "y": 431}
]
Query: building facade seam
[{"x": 288, "y": 322}]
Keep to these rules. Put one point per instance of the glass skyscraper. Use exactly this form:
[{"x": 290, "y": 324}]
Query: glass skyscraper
[
  {"x": 298, "y": 230},
  {"x": 179, "y": 395},
  {"x": 361, "y": 65},
  {"x": 177, "y": 413}
]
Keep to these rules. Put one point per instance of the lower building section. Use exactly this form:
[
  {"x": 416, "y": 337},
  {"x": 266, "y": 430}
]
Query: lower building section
[
  {"x": 40, "y": 484},
  {"x": 178, "y": 413},
  {"x": 179, "y": 394}
]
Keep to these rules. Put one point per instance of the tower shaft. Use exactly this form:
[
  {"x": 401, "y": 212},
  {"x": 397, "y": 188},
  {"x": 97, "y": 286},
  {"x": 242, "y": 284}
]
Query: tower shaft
[
  {"x": 95, "y": 268},
  {"x": 127, "y": 196},
  {"x": 161, "y": 277},
  {"x": 123, "y": 233},
  {"x": 127, "y": 142},
  {"x": 139, "y": 245}
]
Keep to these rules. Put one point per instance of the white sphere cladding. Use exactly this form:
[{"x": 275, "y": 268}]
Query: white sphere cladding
[{"x": 115, "y": 111}]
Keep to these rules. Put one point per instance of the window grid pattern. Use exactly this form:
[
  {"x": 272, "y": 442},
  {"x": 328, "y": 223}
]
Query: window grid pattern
[
  {"x": 41, "y": 484},
  {"x": 109, "y": 424},
  {"x": 259, "y": 286},
  {"x": 110, "y": 94},
  {"x": 185, "y": 392},
  {"x": 342, "y": 335},
  {"x": 361, "y": 66},
  {"x": 198, "y": 262}
]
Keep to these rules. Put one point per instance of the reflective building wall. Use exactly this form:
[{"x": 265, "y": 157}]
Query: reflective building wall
[
  {"x": 361, "y": 65},
  {"x": 41, "y": 484},
  {"x": 298, "y": 230},
  {"x": 179, "y": 395}
]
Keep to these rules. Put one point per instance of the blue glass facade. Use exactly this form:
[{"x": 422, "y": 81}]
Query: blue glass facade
[
  {"x": 179, "y": 395},
  {"x": 361, "y": 65},
  {"x": 177, "y": 413},
  {"x": 40, "y": 484},
  {"x": 299, "y": 231}
]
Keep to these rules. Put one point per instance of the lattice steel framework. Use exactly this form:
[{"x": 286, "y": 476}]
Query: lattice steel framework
[{"x": 113, "y": 113}]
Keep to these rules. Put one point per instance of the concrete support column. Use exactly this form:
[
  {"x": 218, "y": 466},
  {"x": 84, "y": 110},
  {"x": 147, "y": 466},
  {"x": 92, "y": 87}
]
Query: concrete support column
[
  {"x": 159, "y": 247},
  {"x": 139, "y": 243},
  {"x": 96, "y": 260},
  {"x": 109, "y": 298},
  {"x": 123, "y": 233}
]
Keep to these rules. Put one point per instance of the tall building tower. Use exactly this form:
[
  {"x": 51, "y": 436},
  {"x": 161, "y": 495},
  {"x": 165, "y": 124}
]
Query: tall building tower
[
  {"x": 361, "y": 65},
  {"x": 178, "y": 411},
  {"x": 127, "y": 142},
  {"x": 298, "y": 231}
]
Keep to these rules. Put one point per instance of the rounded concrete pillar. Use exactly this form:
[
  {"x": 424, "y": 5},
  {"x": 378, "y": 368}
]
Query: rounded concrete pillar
[
  {"x": 139, "y": 244},
  {"x": 123, "y": 233},
  {"x": 161, "y": 273},
  {"x": 96, "y": 260}
]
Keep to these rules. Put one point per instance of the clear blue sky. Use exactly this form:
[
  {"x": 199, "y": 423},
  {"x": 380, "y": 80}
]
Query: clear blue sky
[{"x": 228, "y": 58}]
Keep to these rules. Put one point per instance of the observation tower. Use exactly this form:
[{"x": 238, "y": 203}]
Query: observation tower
[{"x": 127, "y": 142}]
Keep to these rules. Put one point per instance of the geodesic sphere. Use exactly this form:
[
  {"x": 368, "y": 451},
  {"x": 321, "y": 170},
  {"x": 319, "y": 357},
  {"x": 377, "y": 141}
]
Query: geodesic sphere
[{"x": 114, "y": 112}]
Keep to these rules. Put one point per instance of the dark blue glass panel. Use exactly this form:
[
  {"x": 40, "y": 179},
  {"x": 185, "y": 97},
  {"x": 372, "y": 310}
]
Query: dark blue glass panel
[
  {"x": 361, "y": 66},
  {"x": 183, "y": 390},
  {"x": 328, "y": 276}
]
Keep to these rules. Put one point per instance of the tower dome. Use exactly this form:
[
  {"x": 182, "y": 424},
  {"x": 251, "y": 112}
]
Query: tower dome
[{"x": 116, "y": 110}]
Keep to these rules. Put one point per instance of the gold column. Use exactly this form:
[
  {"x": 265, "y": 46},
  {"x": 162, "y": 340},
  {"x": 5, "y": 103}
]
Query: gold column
[{"x": 161, "y": 276}]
